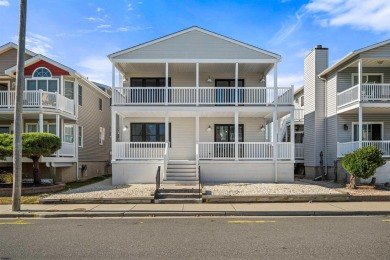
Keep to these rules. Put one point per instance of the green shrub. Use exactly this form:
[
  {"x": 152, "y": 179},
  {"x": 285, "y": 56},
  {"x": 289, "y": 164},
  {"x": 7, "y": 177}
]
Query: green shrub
[
  {"x": 6, "y": 177},
  {"x": 363, "y": 163}
]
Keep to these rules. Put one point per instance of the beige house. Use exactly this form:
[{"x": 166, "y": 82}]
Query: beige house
[
  {"x": 58, "y": 100},
  {"x": 195, "y": 105}
]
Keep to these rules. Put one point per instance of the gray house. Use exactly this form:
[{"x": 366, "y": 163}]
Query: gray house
[{"x": 347, "y": 106}]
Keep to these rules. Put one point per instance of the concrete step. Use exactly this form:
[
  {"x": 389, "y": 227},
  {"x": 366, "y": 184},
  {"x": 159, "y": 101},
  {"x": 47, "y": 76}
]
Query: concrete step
[
  {"x": 175, "y": 175},
  {"x": 180, "y": 182},
  {"x": 177, "y": 195},
  {"x": 181, "y": 178},
  {"x": 181, "y": 162},
  {"x": 178, "y": 201},
  {"x": 169, "y": 170},
  {"x": 179, "y": 190},
  {"x": 181, "y": 166}
]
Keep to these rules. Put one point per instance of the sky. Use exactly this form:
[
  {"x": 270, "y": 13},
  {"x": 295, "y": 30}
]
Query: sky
[{"x": 81, "y": 33}]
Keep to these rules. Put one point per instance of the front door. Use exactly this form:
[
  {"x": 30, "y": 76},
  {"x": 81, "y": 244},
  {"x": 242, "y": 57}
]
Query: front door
[{"x": 225, "y": 134}]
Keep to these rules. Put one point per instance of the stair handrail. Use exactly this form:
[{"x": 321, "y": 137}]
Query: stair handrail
[
  {"x": 158, "y": 179},
  {"x": 166, "y": 159},
  {"x": 200, "y": 184}
]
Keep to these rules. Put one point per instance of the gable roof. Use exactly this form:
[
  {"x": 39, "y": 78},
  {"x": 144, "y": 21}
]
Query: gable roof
[
  {"x": 353, "y": 54},
  {"x": 192, "y": 29},
  {"x": 11, "y": 45}
]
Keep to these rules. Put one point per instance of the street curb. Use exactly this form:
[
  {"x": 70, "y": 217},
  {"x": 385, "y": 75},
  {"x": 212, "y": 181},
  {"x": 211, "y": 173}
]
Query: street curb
[
  {"x": 344, "y": 197},
  {"x": 133, "y": 200},
  {"x": 192, "y": 214}
]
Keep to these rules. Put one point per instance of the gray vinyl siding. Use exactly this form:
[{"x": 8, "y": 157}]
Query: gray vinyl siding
[
  {"x": 348, "y": 119},
  {"x": 331, "y": 115},
  {"x": 315, "y": 63},
  {"x": 8, "y": 59},
  {"x": 380, "y": 52},
  {"x": 344, "y": 78},
  {"x": 194, "y": 45},
  {"x": 91, "y": 119}
]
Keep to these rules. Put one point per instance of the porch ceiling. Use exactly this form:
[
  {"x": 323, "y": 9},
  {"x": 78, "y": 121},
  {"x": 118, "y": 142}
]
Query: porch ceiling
[
  {"x": 159, "y": 68},
  {"x": 266, "y": 114},
  {"x": 371, "y": 63},
  {"x": 370, "y": 111}
]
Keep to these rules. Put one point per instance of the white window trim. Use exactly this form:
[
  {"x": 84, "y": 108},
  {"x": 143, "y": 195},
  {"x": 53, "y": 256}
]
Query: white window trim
[
  {"x": 63, "y": 136},
  {"x": 44, "y": 124},
  {"x": 82, "y": 136},
  {"x": 102, "y": 133},
  {"x": 74, "y": 91},
  {"x": 32, "y": 75},
  {"x": 368, "y": 123},
  {"x": 47, "y": 79},
  {"x": 367, "y": 74},
  {"x": 102, "y": 104}
]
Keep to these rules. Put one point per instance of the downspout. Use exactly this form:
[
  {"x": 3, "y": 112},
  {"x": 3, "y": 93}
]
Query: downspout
[{"x": 326, "y": 127}]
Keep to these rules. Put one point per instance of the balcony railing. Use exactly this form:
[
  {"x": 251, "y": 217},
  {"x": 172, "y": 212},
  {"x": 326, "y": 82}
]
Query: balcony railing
[
  {"x": 299, "y": 151},
  {"x": 201, "y": 96},
  {"x": 139, "y": 150},
  {"x": 38, "y": 99},
  {"x": 67, "y": 149},
  {"x": 368, "y": 93},
  {"x": 349, "y": 147}
]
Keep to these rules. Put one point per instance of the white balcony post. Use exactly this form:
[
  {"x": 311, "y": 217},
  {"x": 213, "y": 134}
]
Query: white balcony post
[
  {"x": 120, "y": 125},
  {"x": 292, "y": 134},
  {"x": 275, "y": 84},
  {"x": 114, "y": 94},
  {"x": 236, "y": 135},
  {"x": 166, "y": 82},
  {"x": 360, "y": 70},
  {"x": 167, "y": 128},
  {"x": 41, "y": 122},
  {"x": 76, "y": 99},
  {"x": 197, "y": 143},
  {"x": 236, "y": 85},
  {"x": 113, "y": 76},
  {"x": 275, "y": 142},
  {"x": 197, "y": 84},
  {"x": 57, "y": 101},
  {"x": 360, "y": 125},
  {"x": 113, "y": 136},
  {"x": 58, "y": 127},
  {"x": 40, "y": 98}
]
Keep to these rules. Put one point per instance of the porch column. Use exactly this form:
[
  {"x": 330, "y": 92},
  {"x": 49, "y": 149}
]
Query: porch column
[
  {"x": 58, "y": 129},
  {"x": 292, "y": 133},
  {"x": 113, "y": 135},
  {"x": 121, "y": 128},
  {"x": 166, "y": 84},
  {"x": 360, "y": 70},
  {"x": 167, "y": 128},
  {"x": 113, "y": 76},
  {"x": 236, "y": 135},
  {"x": 197, "y": 144},
  {"x": 197, "y": 84},
  {"x": 360, "y": 125},
  {"x": 276, "y": 84},
  {"x": 120, "y": 79},
  {"x": 275, "y": 142},
  {"x": 236, "y": 85},
  {"x": 41, "y": 122},
  {"x": 76, "y": 98}
]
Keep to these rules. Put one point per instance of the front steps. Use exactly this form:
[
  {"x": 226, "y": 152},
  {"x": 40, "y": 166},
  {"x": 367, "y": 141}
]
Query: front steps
[{"x": 180, "y": 184}]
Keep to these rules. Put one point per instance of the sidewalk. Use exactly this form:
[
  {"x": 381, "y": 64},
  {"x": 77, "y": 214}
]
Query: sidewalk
[{"x": 242, "y": 209}]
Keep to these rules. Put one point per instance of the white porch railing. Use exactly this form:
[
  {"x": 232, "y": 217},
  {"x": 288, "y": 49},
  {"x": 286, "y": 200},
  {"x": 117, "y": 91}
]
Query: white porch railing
[
  {"x": 299, "y": 114},
  {"x": 201, "y": 96},
  {"x": 38, "y": 99},
  {"x": 349, "y": 147},
  {"x": 299, "y": 151},
  {"x": 139, "y": 150},
  {"x": 369, "y": 92},
  {"x": 246, "y": 150},
  {"x": 67, "y": 149}
]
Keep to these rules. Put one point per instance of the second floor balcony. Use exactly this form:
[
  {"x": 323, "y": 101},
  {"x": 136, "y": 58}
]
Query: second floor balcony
[
  {"x": 368, "y": 93},
  {"x": 38, "y": 99},
  {"x": 202, "y": 96}
]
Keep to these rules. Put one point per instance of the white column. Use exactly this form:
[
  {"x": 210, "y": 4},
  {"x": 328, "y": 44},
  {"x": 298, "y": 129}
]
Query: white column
[
  {"x": 275, "y": 142},
  {"x": 197, "y": 84},
  {"x": 236, "y": 135},
  {"x": 113, "y": 135},
  {"x": 41, "y": 122},
  {"x": 166, "y": 82},
  {"x": 236, "y": 85},
  {"x": 76, "y": 99},
  {"x": 360, "y": 70},
  {"x": 121, "y": 129},
  {"x": 58, "y": 128},
  {"x": 61, "y": 88},
  {"x": 197, "y": 143},
  {"x": 360, "y": 125},
  {"x": 113, "y": 76},
  {"x": 120, "y": 79},
  {"x": 275, "y": 83},
  {"x": 167, "y": 128},
  {"x": 292, "y": 133}
]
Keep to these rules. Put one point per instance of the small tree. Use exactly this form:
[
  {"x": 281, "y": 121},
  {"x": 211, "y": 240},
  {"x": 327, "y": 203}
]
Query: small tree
[
  {"x": 34, "y": 145},
  {"x": 362, "y": 163}
]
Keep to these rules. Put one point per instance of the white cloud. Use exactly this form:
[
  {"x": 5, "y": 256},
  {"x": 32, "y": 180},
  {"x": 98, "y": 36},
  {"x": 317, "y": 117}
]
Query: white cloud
[
  {"x": 286, "y": 80},
  {"x": 288, "y": 28},
  {"x": 129, "y": 7},
  {"x": 363, "y": 15},
  {"x": 4, "y": 3},
  {"x": 96, "y": 68},
  {"x": 99, "y": 9},
  {"x": 94, "y": 19},
  {"x": 103, "y": 26},
  {"x": 39, "y": 44}
]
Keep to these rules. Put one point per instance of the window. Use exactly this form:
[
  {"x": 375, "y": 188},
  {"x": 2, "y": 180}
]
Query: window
[
  {"x": 226, "y": 133},
  {"x": 31, "y": 128},
  {"x": 69, "y": 133},
  {"x": 100, "y": 104},
  {"x": 69, "y": 90},
  {"x": 367, "y": 78},
  {"x": 102, "y": 134},
  {"x": 4, "y": 129},
  {"x": 80, "y": 96},
  {"x": 42, "y": 80},
  {"x": 148, "y": 132},
  {"x": 47, "y": 128},
  {"x": 302, "y": 101},
  {"x": 371, "y": 131},
  {"x": 80, "y": 137}
]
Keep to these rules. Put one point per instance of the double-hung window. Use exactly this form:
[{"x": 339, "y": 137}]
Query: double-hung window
[
  {"x": 69, "y": 133},
  {"x": 148, "y": 132}
]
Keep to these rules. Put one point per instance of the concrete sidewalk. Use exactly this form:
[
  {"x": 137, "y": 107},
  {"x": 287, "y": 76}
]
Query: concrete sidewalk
[{"x": 238, "y": 209}]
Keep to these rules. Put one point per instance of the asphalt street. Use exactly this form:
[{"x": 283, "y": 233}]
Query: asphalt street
[{"x": 197, "y": 238}]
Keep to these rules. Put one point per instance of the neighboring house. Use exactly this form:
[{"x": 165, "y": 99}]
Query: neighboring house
[
  {"x": 61, "y": 101},
  {"x": 196, "y": 98},
  {"x": 347, "y": 106}
]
